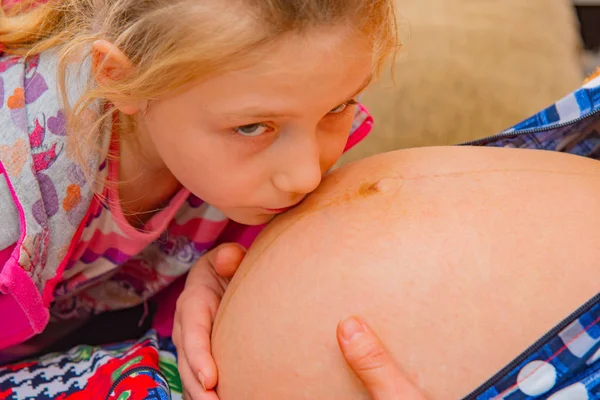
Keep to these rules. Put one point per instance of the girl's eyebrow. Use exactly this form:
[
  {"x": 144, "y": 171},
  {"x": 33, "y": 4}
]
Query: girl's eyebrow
[
  {"x": 258, "y": 113},
  {"x": 255, "y": 112},
  {"x": 363, "y": 86}
]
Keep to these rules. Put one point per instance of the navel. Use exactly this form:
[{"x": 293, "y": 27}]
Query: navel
[{"x": 381, "y": 186}]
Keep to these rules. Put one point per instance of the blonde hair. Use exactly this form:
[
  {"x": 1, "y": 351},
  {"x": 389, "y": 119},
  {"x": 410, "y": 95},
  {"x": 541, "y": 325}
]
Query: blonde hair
[{"x": 174, "y": 42}]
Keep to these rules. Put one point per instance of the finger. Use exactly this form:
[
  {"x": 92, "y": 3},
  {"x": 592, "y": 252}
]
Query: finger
[
  {"x": 195, "y": 342},
  {"x": 176, "y": 334},
  {"x": 372, "y": 364},
  {"x": 227, "y": 258},
  {"x": 186, "y": 373},
  {"x": 192, "y": 388}
]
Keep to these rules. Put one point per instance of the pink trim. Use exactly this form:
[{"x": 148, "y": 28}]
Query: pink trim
[
  {"x": 99, "y": 242},
  {"x": 48, "y": 295},
  {"x": 20, "y": 300},
  {"x": 158, "y": 223},
  {"x": 361, "y": 132},
  {"x": 21, "y": 304}
]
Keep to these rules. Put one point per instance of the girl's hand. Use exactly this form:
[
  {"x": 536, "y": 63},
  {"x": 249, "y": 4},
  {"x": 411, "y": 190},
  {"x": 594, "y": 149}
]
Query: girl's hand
[
  {"x": 196, "y": 310},
  {"x": 372, "y": 364}
]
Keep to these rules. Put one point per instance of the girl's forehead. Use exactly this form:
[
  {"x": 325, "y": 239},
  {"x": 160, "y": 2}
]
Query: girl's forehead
[
  {"x": 293, "y": 75},
  {"x": 301, "y": 61},
  {"x": 287, "y": 90}
]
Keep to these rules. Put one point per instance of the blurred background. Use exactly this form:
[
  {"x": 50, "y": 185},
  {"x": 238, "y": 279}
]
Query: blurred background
[{"x": 471, "y": 68}]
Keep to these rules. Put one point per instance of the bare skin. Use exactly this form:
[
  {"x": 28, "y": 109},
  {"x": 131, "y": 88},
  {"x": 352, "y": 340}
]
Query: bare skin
[
  {"x": 373, "y": 364},
  {"x": 458, "y": 258}
]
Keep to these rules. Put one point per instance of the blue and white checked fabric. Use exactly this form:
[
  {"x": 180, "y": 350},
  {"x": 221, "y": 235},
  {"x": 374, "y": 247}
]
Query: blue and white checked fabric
[
  {"x": 576, "y": 105},
  {"x": 565, "y": 363}
]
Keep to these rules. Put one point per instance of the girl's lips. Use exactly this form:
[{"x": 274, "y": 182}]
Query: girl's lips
[{"x": 278, "y": 210}]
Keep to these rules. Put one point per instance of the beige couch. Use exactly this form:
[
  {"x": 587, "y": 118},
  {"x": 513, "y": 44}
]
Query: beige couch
[{"x": 471, "y": 68}]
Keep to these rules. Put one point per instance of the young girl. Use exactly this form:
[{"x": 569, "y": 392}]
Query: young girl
[{"x": 137, "y": 135}]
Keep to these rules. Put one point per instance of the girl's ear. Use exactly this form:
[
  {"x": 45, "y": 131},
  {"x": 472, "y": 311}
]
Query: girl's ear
[{"x": 109, "y": 64}]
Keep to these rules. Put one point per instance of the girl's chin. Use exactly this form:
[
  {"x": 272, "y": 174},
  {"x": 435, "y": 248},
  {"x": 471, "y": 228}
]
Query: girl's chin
[{"x": 251, "y": 217}]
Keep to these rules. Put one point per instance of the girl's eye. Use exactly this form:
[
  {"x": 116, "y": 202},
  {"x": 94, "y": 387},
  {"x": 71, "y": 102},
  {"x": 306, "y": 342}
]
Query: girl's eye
[
  {"x": 251, "y": 130},
  {"x": 342, "y": 107}
]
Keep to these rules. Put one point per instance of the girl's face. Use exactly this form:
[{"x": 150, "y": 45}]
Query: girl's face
[{"x": 256, "y": 141}]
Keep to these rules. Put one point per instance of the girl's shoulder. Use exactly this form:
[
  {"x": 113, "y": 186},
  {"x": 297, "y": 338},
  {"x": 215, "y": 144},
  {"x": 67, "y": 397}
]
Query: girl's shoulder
[
  {"x": 41, "y": 176},
  {"x": 44, "y": 193}
]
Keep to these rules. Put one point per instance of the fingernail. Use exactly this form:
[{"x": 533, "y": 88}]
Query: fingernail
[
  {"x": 201, "y": 379},
  {"x": 351, "y": 327},
  {"x": 244, "y": 249}
]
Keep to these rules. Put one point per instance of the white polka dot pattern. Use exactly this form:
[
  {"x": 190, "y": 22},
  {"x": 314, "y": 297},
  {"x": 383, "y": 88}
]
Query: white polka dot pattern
[
  {"x": 536, "y": 378},
  {"x": 576, "y": 391}
]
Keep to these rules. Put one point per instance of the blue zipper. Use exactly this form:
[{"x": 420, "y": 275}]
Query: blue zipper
[
  {"x": 502, "y": 135},
  {"x": 133, "y": 371}
]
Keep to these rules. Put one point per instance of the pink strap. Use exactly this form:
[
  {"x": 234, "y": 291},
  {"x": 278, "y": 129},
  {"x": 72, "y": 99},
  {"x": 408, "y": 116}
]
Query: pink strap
[
  {"x": 20, "y": 300},
  {"x": 21, "y": 304}
]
